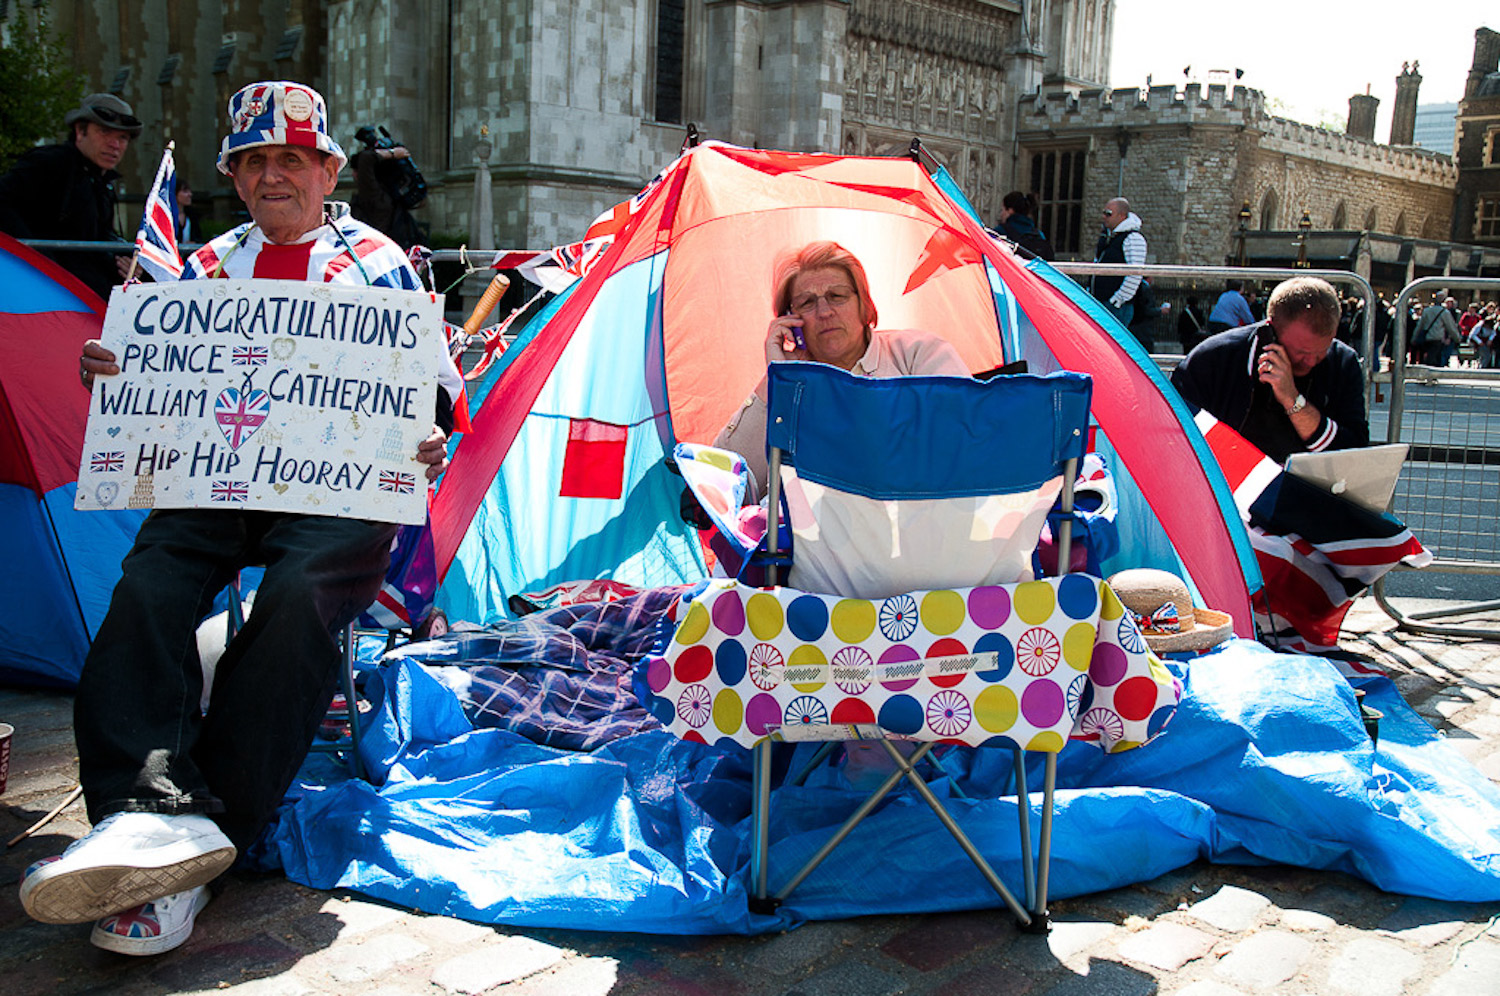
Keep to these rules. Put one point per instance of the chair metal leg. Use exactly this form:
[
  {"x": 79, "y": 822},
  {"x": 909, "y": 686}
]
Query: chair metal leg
[
  {"x": 1044, "y": 856},
  {"x": 824, "y": 749},
  {"x": 351, "y": 700},
  {"x": 1023, "y": 813},
  {"x": 908, "y": 770},
  {"x": 760, "y": 823}
]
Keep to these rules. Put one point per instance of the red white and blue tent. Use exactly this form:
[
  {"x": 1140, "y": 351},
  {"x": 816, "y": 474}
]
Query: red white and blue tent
[
  {"x": 564, "y": 477},
  {"x": 59, "y": 565}
]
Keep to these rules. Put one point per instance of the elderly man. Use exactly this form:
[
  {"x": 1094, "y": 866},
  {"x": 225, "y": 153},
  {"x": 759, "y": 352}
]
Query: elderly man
[
  {"x": 66, "y": 191},
  {"x": 175, "y": 794},
  {"x": 1286, "y": 384}
]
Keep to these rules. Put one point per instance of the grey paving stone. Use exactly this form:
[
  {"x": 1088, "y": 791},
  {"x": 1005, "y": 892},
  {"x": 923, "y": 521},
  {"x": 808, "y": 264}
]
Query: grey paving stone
[
  {"x": 449, "y": 931},
  {"x": 1373, "y": 966},
  {"x": 575, "y": 977},
  {"x": 357, "y": 916},
  {"x": 479, "y": 971},
  {"x": 275, "y": 985},
  {"x": 798, "y": 949},
  {"x": 1167, "y": 946},
  {"x": 1067, "y": 940},
  {"x": 371, "y": 959},
  {"x": 1107, "y": 978},
  {"x": 1208, "y": 987},
  {"x": 1307, "y": 921},
  {"x": 1425, "y": 922},
  {"x": 1475, "y": 973},
  {"x": 1231, "y": 909},
  {"x": 1264, "y": 960},
  {"x": 847, "y": 978}
]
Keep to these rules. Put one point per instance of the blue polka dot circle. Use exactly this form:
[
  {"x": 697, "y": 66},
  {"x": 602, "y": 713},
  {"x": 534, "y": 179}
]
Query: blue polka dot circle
[
  {"x": 1078, "y": 595},
  {"x": 663, "y": 709},
  {"x": 1159, "y": 719},
  {"x": 1005, "y": 656},
  {"x": 901, "y": 714},
  {"x": 729, "y": 661},
  {"x": 807, "y": 618}
]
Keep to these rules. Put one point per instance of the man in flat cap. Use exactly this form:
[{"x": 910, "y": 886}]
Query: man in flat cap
[
  {"x": 66, "y": 191},
  {"x": 173, "y": 793}
]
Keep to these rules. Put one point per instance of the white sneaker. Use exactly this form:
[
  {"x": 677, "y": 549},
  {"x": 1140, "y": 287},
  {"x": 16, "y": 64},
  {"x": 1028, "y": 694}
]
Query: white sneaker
[
  {"x": 153, "y": 928},
  {"x": 127, "y": 860}
]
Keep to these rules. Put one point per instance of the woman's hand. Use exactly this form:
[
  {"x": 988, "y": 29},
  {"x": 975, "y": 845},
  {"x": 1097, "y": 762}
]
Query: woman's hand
[{"x": 781, "y": 340}]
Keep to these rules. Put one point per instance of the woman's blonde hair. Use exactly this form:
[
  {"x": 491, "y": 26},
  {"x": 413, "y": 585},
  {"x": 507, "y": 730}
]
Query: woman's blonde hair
[{"x": 814, "y": 256}]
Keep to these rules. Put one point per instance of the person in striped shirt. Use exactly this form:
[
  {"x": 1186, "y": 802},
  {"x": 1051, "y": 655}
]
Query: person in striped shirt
[{"x": 175, "y": 793}]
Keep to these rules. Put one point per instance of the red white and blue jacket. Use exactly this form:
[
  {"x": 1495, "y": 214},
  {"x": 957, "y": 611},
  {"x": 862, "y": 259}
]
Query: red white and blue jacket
[{"x": 341, "y": 251}]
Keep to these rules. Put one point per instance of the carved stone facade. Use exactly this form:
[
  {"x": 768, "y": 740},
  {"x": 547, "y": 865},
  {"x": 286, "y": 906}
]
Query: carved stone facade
[
  {"x": 935, "y": 69},
  {"x": 585, "y": 100}
]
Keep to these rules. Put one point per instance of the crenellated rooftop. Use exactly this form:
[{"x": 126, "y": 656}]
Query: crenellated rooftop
[{"x": 1240, "y": 107}]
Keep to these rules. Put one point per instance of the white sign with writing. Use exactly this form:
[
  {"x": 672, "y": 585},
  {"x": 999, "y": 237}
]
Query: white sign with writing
[{"x": 265, "y": 394}]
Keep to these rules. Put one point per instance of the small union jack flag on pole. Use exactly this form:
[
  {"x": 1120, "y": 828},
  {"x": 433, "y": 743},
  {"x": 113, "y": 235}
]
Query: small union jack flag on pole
[
  {"x": 248, "y": 356},
  {"x": 107, "y": 462},
  {"x": 235, "y": 491},
  {"x": 401, "y": 484},
  {"x": 156, "y": 239}
]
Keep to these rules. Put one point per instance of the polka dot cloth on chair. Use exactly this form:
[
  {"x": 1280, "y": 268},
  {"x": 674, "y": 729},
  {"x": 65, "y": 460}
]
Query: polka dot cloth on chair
[{"x": 1021, "y": 665}]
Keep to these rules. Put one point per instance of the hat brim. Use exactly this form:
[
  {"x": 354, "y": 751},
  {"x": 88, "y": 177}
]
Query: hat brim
[
  {"x": 1210, "y": 629},
  {"x": 260, "y": 138}
]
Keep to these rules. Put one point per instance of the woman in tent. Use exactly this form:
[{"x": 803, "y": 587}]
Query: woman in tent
[{"x": 824, "y": 313}]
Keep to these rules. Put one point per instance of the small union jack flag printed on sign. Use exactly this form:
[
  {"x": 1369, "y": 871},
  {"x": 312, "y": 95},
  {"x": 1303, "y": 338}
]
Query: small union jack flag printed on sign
[
  {"x": 235, "y": 491},
  {"x": 248, "y": 356},
  {"x": 107, "y": 462},
  {"x": 401, "y": 484}
]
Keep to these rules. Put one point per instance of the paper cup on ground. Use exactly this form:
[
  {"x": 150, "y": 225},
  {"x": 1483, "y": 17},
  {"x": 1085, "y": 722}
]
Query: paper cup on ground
[{"x": 5, "y": 734}]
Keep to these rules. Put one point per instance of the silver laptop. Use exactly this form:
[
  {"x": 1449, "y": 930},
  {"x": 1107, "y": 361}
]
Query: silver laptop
[{"x": 1365, "y": 476}]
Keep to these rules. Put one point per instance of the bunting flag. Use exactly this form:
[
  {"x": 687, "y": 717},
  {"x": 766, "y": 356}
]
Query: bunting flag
[
  {"x": 156, "y": 239},
  {"x": 1317, "y": 552}
]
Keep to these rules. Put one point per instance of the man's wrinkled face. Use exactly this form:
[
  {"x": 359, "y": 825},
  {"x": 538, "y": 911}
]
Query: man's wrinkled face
[
  {"x": 283, "y": 186},
  {"x": 104, "y": 147}
]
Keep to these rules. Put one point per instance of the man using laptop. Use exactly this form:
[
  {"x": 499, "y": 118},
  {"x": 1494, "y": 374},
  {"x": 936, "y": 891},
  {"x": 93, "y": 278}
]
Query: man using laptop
[{"x": 1286, "y": 384}]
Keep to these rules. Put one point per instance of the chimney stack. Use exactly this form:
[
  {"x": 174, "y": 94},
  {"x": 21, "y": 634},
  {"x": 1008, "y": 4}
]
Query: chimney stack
[
  {"x": 1486, "y": 59},
  {"x": 1404, "y": 114},
  {"x": 1362, "y": 109}
]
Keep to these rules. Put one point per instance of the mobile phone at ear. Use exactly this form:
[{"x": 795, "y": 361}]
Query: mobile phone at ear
[{"x": 797, "y": 336}]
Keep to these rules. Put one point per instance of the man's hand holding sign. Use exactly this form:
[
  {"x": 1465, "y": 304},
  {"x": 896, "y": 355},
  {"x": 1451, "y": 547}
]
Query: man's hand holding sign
[{"x": 267, "y": 394}]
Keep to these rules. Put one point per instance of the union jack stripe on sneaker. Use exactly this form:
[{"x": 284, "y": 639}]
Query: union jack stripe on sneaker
[
  {"x": 153, "y": 927},
  {"x": 127, "y": 859}
]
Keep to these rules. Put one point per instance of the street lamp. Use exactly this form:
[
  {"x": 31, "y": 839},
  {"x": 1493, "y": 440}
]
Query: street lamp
[
  {"x": 1244, "y": 230},
  {"x": 1303, "y": 227}
]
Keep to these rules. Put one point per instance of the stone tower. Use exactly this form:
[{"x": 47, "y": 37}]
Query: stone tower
[
  {"x": 1486, "y": 59},
  {"x": 1404, "y": 114},
  {"x": 1362, "y": 109}
]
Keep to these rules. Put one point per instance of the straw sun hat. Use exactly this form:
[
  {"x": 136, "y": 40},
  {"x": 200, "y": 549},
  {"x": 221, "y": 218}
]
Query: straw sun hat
[{"x": 1165, "y": 613}]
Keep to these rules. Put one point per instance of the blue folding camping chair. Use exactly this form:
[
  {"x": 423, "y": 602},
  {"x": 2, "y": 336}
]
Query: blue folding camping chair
[{"x": 917, "y": 483}]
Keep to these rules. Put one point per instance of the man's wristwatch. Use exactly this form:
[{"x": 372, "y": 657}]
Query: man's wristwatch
[{"x": 1297, "y": 405}]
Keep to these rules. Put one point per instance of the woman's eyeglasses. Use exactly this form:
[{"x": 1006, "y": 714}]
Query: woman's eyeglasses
[{"x": 807, "y": 304}]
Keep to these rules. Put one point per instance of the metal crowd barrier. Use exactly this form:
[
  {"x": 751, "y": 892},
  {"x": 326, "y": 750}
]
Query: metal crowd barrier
[
  {"x": 1178, "y": 274},
  {"x": 1449, "y": 494}
]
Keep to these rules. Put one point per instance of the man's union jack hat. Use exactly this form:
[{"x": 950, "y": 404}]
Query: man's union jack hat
[{"x": 278, "y": 112}]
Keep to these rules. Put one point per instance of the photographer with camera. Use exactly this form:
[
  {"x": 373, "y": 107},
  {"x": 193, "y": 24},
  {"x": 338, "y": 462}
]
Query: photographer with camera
[
  {"x": 387, "y": 184},
  {"x": 1286, "y": 384}
]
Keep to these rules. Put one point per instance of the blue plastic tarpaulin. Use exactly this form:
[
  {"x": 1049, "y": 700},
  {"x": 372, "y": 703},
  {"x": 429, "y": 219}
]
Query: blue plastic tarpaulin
[{"x": 1266, "y": 761}]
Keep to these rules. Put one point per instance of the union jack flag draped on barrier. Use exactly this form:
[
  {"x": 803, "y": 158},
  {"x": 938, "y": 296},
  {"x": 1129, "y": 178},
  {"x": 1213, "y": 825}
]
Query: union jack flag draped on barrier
[
  {"x": 156, "y": 239},
  {"x": 1317, "y": 552}
]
